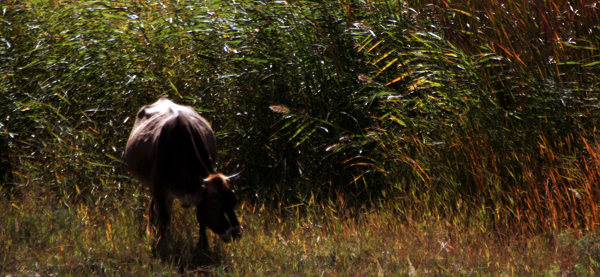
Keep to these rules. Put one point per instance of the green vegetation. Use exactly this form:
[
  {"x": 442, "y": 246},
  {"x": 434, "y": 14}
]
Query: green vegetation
[{"x": 377, "y": 137}]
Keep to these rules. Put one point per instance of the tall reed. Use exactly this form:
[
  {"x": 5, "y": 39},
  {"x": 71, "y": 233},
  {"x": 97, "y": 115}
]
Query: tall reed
[{"x": 455, "y": 109}]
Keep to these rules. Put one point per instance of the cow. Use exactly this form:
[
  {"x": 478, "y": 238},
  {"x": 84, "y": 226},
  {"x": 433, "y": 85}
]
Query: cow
[{"x": 172, "y": 151}]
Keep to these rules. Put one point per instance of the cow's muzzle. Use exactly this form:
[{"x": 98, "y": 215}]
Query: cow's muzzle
[{"x": 234, "y": 232}]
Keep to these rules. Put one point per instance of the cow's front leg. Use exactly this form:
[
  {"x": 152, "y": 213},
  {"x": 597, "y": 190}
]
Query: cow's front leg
[{"x": 203, "y": 240}]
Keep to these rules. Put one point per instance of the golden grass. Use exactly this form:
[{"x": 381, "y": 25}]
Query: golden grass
[{"x": 301, "y": 241}]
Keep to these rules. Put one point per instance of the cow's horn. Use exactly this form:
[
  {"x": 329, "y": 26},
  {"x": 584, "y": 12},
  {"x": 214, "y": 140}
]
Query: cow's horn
[{"x": 235, "y": 176}]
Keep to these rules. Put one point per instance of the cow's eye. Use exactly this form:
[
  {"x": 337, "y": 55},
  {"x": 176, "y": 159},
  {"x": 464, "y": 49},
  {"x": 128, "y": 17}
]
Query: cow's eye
[{"x": 216, "y": 205}]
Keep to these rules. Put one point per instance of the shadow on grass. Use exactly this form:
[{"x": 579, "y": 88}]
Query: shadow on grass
[{"x": 187, "y": 257}]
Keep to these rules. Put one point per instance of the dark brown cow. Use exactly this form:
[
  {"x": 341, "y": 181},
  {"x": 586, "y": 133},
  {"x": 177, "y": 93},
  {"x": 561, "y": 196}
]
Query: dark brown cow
[{"x": 172, "y": 151}]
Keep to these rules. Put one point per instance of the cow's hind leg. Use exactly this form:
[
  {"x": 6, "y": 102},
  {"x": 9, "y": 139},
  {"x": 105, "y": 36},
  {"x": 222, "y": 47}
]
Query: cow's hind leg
[
  {"x": 159, "y": 218},
  {"x": 162, "y": 208},
  {"x": 152, "y": 227},
  {"x": 152, "y": 221}
]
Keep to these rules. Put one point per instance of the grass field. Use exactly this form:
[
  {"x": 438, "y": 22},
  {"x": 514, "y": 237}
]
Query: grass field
[
  {"x": 377, "y": 138},
  {"x": 306, "y": 242}
]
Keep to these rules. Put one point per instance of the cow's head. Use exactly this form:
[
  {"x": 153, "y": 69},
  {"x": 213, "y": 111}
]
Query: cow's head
[{"x": 215, "y": 210}]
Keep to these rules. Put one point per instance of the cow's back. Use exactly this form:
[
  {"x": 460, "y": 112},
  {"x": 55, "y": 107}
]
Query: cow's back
[{"x": 170, "y": 144}]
